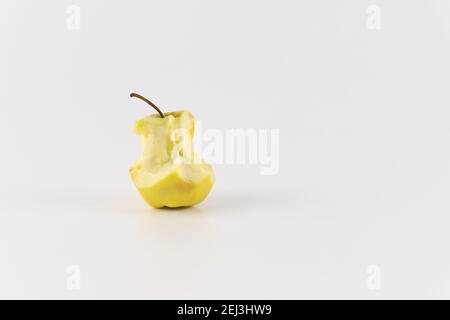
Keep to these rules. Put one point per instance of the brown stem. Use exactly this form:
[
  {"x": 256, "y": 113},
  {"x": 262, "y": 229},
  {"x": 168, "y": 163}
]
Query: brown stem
[{"x": 136, "y": 95}]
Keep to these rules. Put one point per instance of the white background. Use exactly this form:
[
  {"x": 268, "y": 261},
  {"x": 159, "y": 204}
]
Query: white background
[{"x": 364, "y": 148}]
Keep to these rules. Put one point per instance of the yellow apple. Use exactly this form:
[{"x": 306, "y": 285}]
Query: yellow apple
[{"x": 169, "y": 173}]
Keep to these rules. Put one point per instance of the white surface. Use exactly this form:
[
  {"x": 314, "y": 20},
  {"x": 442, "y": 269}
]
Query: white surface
[{"x": 364, "y": 149}]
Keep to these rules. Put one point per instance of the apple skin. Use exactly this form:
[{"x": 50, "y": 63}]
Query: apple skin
[
  {"x": 160, "y": 179},
  {"x": 174, "y": 191}
]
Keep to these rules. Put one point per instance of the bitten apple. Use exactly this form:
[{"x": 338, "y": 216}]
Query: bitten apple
[{"x": 169, "y": 173}]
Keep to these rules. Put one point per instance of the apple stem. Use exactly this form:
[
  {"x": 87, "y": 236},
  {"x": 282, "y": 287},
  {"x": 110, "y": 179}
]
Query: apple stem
[{"x": 136, "y": 95}]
